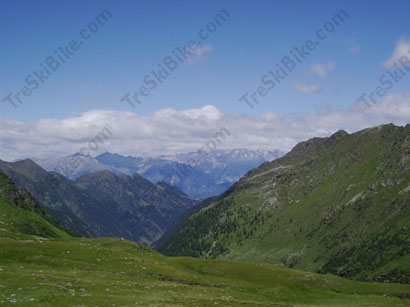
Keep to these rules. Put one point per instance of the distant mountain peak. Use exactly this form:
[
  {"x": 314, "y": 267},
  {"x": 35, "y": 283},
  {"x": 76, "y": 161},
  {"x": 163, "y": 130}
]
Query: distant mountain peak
[
  {"x": 199, "y": 174},
  {"x": 108, "y": 154}
]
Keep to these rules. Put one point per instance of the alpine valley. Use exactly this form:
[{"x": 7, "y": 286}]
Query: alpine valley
[
  {"x": 337, "y": 205},
  {"x": 41, "y": 264},
  {"x": 326, "y": 224},
  {"x": 212, "y": 153}
]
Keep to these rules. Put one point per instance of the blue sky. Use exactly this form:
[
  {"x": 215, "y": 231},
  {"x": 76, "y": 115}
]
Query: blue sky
[{"x": 234, "y": 57}]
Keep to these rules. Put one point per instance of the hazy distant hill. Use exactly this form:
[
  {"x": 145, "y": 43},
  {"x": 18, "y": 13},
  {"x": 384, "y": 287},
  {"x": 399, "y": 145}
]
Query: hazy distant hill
[
  {"x": 197, "y": 174},
  {"x": 338, "y": 205}
]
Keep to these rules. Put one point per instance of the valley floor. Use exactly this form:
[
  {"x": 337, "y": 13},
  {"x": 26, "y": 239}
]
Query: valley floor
[{"x": 35, "y": 271}]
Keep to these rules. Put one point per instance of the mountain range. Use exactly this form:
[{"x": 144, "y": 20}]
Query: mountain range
[
  {"x": 43, "y": 265},
  {"x": 198, "y": 174},
  {"x": 102, "y": 204},
  {"x": 337, "y": 205}
]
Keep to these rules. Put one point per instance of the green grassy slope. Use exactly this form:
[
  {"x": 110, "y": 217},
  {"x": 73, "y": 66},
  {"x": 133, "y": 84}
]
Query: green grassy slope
[
  {"x": 20, "y": 213},
  {"x": 111, "y": 272},
  {"x": 338, "y": 205},
  {"x": 16, "y": 219}
]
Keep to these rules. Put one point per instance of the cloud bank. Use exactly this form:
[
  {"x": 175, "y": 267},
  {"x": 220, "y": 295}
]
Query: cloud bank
[{"x": 168, "y": 131}]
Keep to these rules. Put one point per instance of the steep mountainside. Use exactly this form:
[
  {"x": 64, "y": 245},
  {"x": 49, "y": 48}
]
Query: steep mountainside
[
  {"x": 69, "y": 205},
  {"x": 338, "y": 205},
  {"x": 20, "y": 213},
  {"x": 102, "y": 204},
  {"x": 177, "y": 224},
  {"x": 141, "y": 210}
]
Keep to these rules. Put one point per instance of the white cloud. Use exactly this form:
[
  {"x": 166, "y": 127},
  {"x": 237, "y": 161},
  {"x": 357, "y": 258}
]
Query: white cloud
[
  {"x": 402, "y": 49},
  {"x": 172, "y": 131},
  {"x": 306, "y": 89},
  {"x": 198, "y": 54},
  {"x": 321, "y": 69}
]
